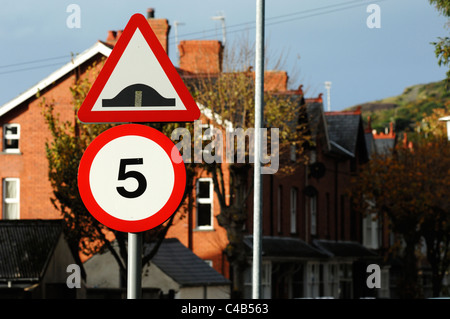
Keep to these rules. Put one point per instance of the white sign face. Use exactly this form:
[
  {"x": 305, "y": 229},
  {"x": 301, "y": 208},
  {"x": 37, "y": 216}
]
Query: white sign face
[{"x": 131, "y": 178}]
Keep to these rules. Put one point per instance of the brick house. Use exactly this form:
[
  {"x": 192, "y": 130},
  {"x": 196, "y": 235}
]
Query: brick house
[{"x": 313, "y": 241}]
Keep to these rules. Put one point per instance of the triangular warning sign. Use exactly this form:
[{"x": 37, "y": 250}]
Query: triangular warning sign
[{"x": 138, "y": 83}]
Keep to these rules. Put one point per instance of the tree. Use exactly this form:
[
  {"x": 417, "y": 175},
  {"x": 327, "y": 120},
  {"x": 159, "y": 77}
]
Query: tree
[
  {"x": 230, "y": 96},
  {"x": 442, "y": 47},
  {"x": 410, "y": 187},
  {"x": 69, "y": 140}
]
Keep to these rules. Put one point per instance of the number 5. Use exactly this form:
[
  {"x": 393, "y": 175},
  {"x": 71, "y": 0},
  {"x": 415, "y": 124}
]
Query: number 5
[{"x": 142, "y": 182}]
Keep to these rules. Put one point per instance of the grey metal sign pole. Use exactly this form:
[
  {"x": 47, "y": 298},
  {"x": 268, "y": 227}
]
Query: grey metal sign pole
[
  {"x": 134, "y": 266},
  {"x": 259, "y": 109}
]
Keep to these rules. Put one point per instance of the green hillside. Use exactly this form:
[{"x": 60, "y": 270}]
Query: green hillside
[{"x": 408, "y": 108}]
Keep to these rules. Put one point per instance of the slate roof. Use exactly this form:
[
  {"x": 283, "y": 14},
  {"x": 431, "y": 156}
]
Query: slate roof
[
  {"x": 26, "y": 246},
  {"x": 317, "y": 123},
  {"x": 343, "y": 248},
  {"x": 384, "y": 145},
  {"x": 183, "y": 266},
  {"x": 343, "y": 131},
  {"x": 273, "y": 246}
]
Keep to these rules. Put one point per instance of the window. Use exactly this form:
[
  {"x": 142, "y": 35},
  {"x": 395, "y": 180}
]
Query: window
[
  {"x": 313, "y": 211},
  {"x": 207, "y": 135},
  {"x": 204, "y": 203},
  {"x": 371, "y": 231},
  {"x": 315, "y": 280},
  {"x": 266, "y": 281},
  {"x": 11, "y": 198},
  {"x": 293, "y": 153},
  {"x": 345, "y": 281},
  {"x": 297, "y": 281},
  {"x": 294, "y": 210},
  {"x": 333, "y": 282},
  {"x": 11, "y": 136},
  {"x": 384, "y": 291},
  {"x": 328, "y": 216}
]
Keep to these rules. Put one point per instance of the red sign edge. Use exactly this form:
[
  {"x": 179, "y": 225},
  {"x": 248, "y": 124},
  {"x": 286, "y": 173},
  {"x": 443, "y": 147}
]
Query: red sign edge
[
  {"x": 85, "y": 113},
  {"x": 137, "y": 225}
]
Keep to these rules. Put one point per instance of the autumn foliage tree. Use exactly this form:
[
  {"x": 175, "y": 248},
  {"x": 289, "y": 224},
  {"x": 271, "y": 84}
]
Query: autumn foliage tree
[{"x": 410, "y": 187}]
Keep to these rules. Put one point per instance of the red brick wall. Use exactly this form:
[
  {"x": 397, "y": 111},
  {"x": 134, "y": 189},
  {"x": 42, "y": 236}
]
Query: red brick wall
[
  {"x": 275, "y": 81},
  {"x": 31, "y": 164},
  {"x": 334, "y": 218},
  {"x": 201, "y": 56},
  {"x": 161, "y": 29}
]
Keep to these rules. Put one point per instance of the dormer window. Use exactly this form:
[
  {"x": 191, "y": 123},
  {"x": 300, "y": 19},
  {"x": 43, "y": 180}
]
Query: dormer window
[{"x": 11, "y": 136}]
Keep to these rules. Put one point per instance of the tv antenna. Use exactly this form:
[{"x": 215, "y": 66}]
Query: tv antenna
[{"x": 222, "y": 19}]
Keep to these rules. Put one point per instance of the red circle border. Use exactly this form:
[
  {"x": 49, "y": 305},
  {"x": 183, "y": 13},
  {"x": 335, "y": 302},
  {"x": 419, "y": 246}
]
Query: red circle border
[{"x": 136, "y": 225}]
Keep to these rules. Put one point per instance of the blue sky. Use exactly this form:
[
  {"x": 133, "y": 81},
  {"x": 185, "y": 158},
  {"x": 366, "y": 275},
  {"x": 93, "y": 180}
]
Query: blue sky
[{"x": 321, "y": 41}]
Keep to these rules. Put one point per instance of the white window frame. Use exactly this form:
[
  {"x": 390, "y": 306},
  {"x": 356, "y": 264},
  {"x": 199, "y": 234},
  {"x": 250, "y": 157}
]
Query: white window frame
[
  {"x": 293, "y": 209},
  {"x": 371, "y": 231},
  {"x": 7, "y": 136},
  {"x": 209, "y": 200},
  {"x": 7, "y": 201}
]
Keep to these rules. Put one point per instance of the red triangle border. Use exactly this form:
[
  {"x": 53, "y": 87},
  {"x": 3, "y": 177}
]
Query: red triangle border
[{"x": 85, "y": 113}]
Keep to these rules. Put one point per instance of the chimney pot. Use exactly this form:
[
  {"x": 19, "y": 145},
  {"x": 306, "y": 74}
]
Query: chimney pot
[
  {"x": 111, "y": 35},
  {"x": 150, "y": 13}
]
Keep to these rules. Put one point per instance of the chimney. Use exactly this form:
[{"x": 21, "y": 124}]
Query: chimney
[
  {"x": 201, "y": 56},
  {"x": 368, "y": 129},
  {"x": 328, "y": 88},
  {"x": 150, "y": 13},
  {"x": 160, "y": 27},
  {"x": 275, "y": 81},
  {"x": 111, "y": 38}
]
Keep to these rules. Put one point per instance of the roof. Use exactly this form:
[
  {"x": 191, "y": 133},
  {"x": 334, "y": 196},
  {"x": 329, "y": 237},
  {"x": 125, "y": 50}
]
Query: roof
[
  {"x": 317, "y": 122},
  {"x": 343, "y": 248},
  {"x": 97, "y": 48},
  {"x": 26, "y": 247},
  {"x": 183, "y": 266},
  {"x": 273, "y": 246},
  {"x": 384, "y": 145},
  {"x": 343, "y": 131}
]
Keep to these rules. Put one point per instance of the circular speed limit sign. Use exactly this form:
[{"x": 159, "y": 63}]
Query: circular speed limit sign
[{"x": 131, "y": 178}]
